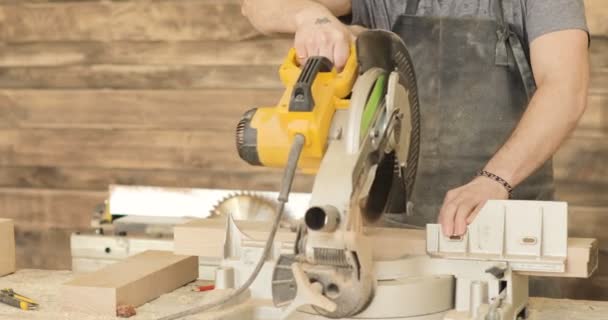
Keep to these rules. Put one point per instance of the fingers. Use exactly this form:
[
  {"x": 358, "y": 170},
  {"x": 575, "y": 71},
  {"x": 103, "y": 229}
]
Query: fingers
[
  {"x": 462, "y": 214},
  {"x": 341, "y": 53},
  {"x": 446, "y": 218},
  {"x": 475, "y": 212},
  {"x": 328, "y": 40},
  {"x": 327, "y": 50}
]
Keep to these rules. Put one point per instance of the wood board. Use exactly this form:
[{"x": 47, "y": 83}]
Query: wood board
[
  {"x": 7, "y": 247},
  {"x": 133, "y": 281},
  {"x": 24, "y": 21},
  {"x": 255, "y": 52},
  {"x": 141, "y": 76},
  {"x": 210, "y": 110}
]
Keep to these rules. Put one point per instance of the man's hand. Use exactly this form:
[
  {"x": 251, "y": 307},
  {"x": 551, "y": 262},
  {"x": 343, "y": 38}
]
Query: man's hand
[
  {"x": 461, "y": 205},
  {"x": 319, "y": 33}
]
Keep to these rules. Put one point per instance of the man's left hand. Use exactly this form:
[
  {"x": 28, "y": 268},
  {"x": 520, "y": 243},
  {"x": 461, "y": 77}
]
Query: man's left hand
[{"x": 461, "y": 205}]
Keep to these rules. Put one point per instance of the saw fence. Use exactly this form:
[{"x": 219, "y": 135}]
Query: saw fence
[{"x": 94, "y": 93}]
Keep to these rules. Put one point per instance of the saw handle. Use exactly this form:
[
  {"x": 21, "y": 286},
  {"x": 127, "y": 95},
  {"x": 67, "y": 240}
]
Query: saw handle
[
  {"x": 343, "y": 80},
  {"x": 301, "y": 96}
]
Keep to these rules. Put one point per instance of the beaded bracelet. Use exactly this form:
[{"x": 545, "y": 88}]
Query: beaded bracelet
[{"x": 503, "y": 182}]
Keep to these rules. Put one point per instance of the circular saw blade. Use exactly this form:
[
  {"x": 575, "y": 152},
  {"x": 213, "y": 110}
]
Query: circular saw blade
[{"x": 246, "y": 206}]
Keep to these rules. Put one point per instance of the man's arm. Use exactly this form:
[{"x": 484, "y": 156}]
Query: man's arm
[
  {"x": 317, "y": 30},
  {"x": 561, "y": 68}
]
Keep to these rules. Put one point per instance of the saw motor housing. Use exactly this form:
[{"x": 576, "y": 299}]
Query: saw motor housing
[{"x": 312, "y": 95}]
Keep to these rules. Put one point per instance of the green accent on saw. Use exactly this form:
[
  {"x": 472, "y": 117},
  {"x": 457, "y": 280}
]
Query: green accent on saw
[{"x": 372, "y": 105}]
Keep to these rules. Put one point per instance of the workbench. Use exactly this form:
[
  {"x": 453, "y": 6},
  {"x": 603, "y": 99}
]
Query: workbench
[{"x": 44, "y": 287}]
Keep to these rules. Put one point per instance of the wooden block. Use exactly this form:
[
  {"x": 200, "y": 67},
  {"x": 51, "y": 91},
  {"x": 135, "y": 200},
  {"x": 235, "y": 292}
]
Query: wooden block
[
  {"x": 582, "y": 260},
  {"x": 206, "y": 237},
  {"x": 7, "y": 247},
  {"x": 133, "y": 281}
]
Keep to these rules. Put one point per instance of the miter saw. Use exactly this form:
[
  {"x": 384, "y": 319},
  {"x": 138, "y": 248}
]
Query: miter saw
[
  {"x": 358, "y": 131},
  {"x": 361, "y": 132}
]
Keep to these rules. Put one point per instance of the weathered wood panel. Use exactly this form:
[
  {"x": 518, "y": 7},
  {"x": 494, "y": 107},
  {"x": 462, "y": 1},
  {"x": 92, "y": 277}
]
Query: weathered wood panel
[
  {"x": 262, "y": 51},
  {"x": 589, "y": 222},
  {"x": 124, "y": 20},
  {"x": 246, "y": 178},
  {"x": 597, "y": 16},
  {"x": 149, "y": 149},
  {"x": 599, "y": 81},
  {"x": 598, "y": 51},
  {"x": 583, "y": 158},
  {"x": 208, "y": 110},
  {"x": 43, "y": 247},
  {"x": 140, "y": 77},
  {"x": 595, "y": 117},
  {"x": 48, "y": 208}
]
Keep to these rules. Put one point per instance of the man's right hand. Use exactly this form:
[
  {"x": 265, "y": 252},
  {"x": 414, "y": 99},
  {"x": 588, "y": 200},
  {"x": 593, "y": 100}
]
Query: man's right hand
[{"x": 319, "y": 33}]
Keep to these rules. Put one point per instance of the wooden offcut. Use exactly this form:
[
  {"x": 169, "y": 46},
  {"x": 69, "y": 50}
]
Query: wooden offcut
[
  {"x": 134, "y": 281},
  {"x": 206, "y": 237},
  {"x": 7, "y": 247}
]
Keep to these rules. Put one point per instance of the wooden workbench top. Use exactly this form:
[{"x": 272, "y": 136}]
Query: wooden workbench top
[{"x": 43, "y": 287}]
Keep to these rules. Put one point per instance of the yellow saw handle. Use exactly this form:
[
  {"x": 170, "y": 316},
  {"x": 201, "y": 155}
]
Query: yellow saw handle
[{"x": 312, "y": 94}]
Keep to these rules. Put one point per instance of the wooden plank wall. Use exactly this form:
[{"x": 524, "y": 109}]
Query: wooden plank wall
[{"x": 148, "y": 92}]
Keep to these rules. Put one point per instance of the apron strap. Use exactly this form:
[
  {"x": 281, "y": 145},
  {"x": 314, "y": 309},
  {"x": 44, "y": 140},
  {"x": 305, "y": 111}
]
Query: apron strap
[
  {"x": 509, "y": 41},
  {"x": 412, "y": 7}
]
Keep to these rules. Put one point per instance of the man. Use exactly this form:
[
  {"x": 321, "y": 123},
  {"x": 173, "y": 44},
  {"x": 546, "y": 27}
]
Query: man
[{"x": 501, "y": 84}]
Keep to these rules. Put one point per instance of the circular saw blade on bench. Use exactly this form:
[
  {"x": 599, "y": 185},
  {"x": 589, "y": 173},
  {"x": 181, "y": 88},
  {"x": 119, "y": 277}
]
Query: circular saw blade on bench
[{"x": 247, "y": 205}]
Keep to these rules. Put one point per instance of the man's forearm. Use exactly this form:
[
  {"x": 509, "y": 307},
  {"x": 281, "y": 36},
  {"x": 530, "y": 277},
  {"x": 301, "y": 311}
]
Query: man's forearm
[
  {"x": 550, "y": 117},
  {"x": 281, "y": 16}
]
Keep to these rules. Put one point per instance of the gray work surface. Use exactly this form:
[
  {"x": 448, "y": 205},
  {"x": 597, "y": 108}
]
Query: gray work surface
[{"x": 44, "y": 287}]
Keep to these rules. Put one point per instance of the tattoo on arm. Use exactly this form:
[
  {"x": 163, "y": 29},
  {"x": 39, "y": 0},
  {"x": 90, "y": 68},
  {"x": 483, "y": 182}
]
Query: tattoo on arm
[{"x": 323, "y": 20}]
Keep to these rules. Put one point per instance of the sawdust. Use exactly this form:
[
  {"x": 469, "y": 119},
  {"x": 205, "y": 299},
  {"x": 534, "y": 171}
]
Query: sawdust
[
  {"x": 45, "y": 287},
  {"x": 125, "y": 311}
]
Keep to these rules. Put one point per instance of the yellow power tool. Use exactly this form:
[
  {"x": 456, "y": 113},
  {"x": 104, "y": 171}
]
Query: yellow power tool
[{"x": 312, "y": 96}]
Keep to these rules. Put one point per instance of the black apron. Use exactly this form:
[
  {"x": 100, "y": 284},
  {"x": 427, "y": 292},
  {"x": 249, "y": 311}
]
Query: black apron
[{"x": 474, "y": 82}]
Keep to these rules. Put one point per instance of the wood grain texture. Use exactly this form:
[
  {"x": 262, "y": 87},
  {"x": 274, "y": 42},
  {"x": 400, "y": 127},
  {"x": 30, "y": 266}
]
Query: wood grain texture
[
  {"x": 595, "y": 118},
  {"x": 597, "y": 17},
  {"x": 208, "y": 110},
  {"x": 262, "y": 51},
  {"x": 48, "y": 208},
  {"x": 7, "y": 247},
  {"x": 124, "y": 20},
  {"x": 135, "y": 149},
  {"x": 580, "y": 169},
  {"x": 589, "y": 222},
  {"x": 43, "y": 247},
  {"x": 93, "y": 179},
  {"x": 133, "y": 281},
  {"x": 599, "y": 81},
  {"x": 141, "y": 77},
  {"x": 598, "y": 52}
]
